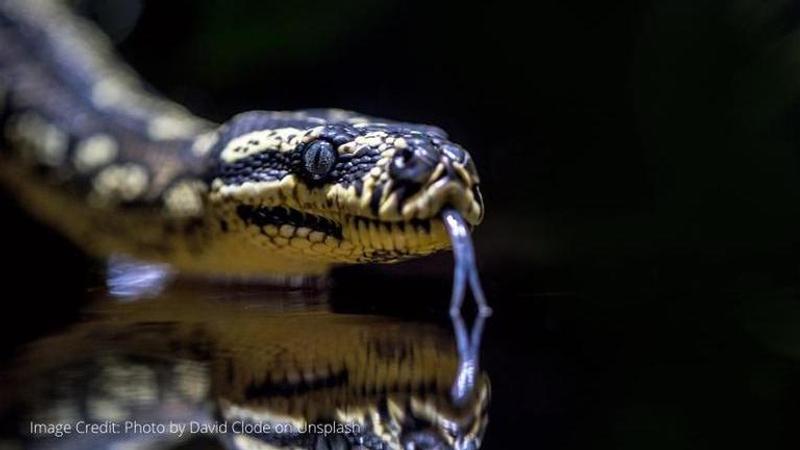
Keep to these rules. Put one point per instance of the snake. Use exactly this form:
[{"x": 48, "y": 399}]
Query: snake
[
  {"x": 90, "y": 149},
  {"x": 378, "y": 383}
]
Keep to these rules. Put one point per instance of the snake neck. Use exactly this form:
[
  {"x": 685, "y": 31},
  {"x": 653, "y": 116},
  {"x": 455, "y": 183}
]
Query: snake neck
[
  {"x": 70, "y": 105},
  {"x": 85, "y": 147},
  {"x": 75, "y": 114}
]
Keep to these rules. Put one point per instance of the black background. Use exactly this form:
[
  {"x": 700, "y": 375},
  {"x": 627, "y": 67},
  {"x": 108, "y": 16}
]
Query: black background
[{"x": 639, "y": 163}]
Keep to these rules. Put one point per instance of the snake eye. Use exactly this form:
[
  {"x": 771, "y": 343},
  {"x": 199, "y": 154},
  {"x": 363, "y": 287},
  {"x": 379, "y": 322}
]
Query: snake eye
[{"x": 319, "y": 158}]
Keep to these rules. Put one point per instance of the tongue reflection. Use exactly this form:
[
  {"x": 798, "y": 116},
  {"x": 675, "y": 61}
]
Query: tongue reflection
[{"x": 465, "y": 270}]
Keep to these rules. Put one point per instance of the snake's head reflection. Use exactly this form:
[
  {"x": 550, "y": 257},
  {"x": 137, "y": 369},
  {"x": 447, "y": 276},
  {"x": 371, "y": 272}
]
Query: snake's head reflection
[
  {"x": 442, "y": 430},
  {"x": 423, "y": 421},
  {"x": 410, "y": 417}
]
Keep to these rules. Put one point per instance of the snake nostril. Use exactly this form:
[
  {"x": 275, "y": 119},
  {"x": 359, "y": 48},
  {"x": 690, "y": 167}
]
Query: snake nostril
[
  {"x": 413, "y": 165},
  {"x": 405, "y": 154}
]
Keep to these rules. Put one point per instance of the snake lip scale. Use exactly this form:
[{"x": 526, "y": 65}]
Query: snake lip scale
[{"x": 278, "y": 216}]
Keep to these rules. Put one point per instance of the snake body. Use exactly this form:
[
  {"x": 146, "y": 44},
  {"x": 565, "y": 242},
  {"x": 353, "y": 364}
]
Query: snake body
[{"x": 90, "y": 150}]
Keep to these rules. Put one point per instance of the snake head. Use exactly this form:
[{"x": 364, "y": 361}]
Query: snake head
[
  {"x": 396, "y": 422},
  {"x": 334, "y": 186},
  {"x": 426, "y": 423}
]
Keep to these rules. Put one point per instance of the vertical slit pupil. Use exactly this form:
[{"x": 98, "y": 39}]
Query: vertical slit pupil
[{"x": 319, "y": 158}]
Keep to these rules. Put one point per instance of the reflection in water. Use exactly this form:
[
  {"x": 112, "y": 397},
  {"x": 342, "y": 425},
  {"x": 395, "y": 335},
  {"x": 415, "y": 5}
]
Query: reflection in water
[{"x": 282, "y": 373}]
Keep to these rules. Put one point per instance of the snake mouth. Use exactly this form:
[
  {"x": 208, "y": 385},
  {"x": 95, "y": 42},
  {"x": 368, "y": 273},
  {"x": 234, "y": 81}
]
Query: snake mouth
[
  {"x": 349, "y": 238},
  {"x": 285, "y": 219}
]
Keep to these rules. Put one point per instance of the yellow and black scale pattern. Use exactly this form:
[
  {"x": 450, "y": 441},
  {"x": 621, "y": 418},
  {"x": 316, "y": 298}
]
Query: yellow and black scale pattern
[
  {"x": 87, "y": 148},
  {"x": 176, "y": 359}
]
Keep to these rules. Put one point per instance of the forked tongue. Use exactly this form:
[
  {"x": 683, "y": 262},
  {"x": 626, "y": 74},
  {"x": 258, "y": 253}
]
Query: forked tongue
[{"x": 465, "y": 271}]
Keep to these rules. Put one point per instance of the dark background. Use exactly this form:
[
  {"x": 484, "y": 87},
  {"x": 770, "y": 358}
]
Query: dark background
[{"x": 639, "y": 163}]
